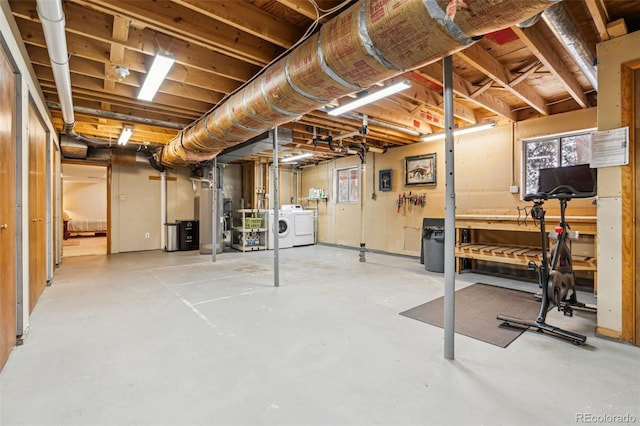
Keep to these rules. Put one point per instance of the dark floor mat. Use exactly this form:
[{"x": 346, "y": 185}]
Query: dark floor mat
[{"x": 476, "y": 309}]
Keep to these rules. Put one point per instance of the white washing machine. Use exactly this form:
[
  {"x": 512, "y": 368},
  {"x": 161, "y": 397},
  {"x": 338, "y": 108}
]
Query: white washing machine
[
  {"x": 284, "y": 230},
  {"x": 303, "y": 224}
]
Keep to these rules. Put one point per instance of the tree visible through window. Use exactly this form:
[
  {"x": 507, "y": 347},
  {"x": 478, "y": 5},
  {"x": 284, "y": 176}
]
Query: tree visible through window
[
  {"x": 539, "y": 154},
  {"x": 348, "y": 185}
]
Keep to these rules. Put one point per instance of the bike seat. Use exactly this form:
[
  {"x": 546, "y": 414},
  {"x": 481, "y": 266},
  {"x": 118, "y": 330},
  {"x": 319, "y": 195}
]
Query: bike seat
[{"x": 536, "y": 196}]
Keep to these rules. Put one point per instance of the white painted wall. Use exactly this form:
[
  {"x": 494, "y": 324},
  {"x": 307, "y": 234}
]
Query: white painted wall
[
  {"x": 232, "y": 184},
  {"x": 85, "y": 200},
  {"x": 135, "y": 205}
]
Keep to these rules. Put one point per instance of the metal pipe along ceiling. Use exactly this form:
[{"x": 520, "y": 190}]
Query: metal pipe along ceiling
[
  {"x": 565, "y": 30},
  {"x": 53, "y": 23},
  {"x": 51, "y": 15}
]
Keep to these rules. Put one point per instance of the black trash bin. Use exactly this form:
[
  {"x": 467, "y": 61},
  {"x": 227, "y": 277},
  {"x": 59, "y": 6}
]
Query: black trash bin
[{"x": 433, "y": 245}]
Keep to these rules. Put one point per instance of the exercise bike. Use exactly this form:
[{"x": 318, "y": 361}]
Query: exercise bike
[{"x": 555, "y": 272}]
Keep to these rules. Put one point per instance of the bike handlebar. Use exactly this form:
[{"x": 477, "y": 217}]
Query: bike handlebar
[{"x": 561, "y": 192}]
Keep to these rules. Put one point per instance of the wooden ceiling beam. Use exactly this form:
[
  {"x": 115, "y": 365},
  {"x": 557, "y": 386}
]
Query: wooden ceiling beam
[
  {"x": 599, "y": 16},
  {"x": 434, "y": 100},
  {"x": 482, "y": 60},
  {"x": 85, "y": 100},
  {"x": 85, "y": 47},
  {"x": 87, "y": 24},
  {"x": 89, "y": 88},
  {"x": 305, "y": 8},
  {"x": 182, "y": 92},
  {"x": 532, "y": 38},
  {"x": 323, "y": 122},
  {"x": 116, "y": 54},
  {"x": 176, "y": 21},
  {"x": 133, "y": 61},
  {"x": 123, "y": 108},
  {"x": 120, "y": 32},
  {"x": 142, "y": 127},
  {"x": 397, "y": 113},
  {"x": 112, "y": 131},
  {"x": 247, "y": 18},
  {"x": 483, "y": 88},
  {"x": 464, "y": 89},
  {"x": 526, "y": 72}
]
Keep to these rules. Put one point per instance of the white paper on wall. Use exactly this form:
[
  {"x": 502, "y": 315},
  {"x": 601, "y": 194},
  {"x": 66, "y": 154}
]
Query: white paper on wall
[{"x": 610, "y": 148}]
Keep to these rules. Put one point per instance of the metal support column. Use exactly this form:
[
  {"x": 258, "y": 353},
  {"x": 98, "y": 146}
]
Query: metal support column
[
  {"x": 450, "y": 214},
  {"x": 214, "y": 210},
  {"x": 363, "y": 187},
  {"x": 276, "y": 216}
]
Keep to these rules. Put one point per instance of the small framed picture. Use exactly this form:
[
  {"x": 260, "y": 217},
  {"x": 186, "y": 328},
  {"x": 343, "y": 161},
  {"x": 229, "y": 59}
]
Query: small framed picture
[
  {"x": 384, "y": 180},
  {"x": 420, "y": 170}
]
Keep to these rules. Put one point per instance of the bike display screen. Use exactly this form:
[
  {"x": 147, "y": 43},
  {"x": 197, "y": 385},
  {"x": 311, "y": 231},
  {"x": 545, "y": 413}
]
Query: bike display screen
[{"x": 580, "y": 181}]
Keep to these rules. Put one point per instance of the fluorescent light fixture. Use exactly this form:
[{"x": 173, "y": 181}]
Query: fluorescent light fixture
[
  {"x": 371, "y": 97},
  {"x": 460, "y": 131},
  {"x": 296, "y": 157},
  {"x": 125, "y": 135},
  {"x": 159, "y": 69}
]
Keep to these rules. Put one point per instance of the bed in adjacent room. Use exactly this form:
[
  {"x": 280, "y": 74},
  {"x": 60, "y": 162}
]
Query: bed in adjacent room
[{"x": 75, "y": 227}]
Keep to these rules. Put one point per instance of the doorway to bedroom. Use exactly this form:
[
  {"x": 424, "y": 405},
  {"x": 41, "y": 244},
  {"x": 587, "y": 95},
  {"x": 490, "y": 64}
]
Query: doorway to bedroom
[{"x": 84, "y": 205}]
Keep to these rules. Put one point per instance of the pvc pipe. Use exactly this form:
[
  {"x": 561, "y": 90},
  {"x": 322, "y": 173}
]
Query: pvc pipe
[{"x": 363, "y": 212}]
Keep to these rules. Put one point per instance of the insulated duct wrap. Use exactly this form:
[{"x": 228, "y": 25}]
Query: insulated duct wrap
[
  {"x": 310, "y": 74},
  {"x": 368, "y": 43}
]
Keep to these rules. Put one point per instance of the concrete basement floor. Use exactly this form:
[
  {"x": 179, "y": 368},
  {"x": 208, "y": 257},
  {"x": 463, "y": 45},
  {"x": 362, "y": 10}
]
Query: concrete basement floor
[{"x": 155, "y": 338}]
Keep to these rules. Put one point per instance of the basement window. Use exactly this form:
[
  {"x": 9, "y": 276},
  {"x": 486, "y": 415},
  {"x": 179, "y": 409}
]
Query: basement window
[
  {"x": 348, "y": 185},
  {"x": 555, "y": 151}
]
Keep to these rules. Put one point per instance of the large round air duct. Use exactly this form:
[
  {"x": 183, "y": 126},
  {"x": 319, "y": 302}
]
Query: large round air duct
[{"x": 368, "y": 43}]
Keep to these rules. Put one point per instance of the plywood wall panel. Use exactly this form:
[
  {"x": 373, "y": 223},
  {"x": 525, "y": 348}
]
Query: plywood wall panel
[{"x": 486, "y": 165}]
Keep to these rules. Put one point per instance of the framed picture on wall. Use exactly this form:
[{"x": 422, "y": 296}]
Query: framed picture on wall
[
  {"x": 420, "y": 170},
  {"x": 384, "y": 180}
]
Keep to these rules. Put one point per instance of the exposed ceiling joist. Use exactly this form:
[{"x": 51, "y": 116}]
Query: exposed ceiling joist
[
  {"x": 220, "y": 45},
  {"x": 533, "y": 39},
  {"x": 248, "y": 18},
  {"x": 175, "y": 21},
  {"x": 464, "y": 89},
  {"x": 489, "y": 65},
  {"x": 303, "y": 7},
  {"x": 599, "y": 16}
]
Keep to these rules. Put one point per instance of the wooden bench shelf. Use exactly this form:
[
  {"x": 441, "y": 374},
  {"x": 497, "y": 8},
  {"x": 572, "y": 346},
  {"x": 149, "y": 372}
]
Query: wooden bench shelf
[
  {"x": 515, "y": 255},
  {"x": 502, "y": 252}
]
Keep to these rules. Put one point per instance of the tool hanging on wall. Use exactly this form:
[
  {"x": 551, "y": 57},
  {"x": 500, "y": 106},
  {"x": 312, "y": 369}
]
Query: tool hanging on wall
[{"x": 415, "y": 200}]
